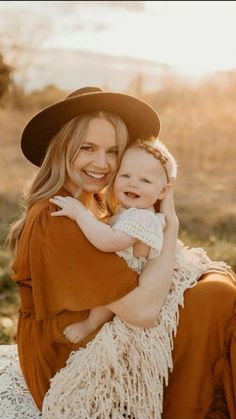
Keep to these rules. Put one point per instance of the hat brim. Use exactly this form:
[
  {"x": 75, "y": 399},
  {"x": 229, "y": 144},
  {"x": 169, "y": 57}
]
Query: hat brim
[{"x": 140, "y": 118}]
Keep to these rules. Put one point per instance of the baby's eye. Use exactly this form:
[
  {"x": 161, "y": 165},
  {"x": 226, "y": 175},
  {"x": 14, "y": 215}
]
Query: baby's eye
[
  {"x": 125, "y": 175},
  {"x": 86, "y": 148},
  {"x": 145, "y": 180}
]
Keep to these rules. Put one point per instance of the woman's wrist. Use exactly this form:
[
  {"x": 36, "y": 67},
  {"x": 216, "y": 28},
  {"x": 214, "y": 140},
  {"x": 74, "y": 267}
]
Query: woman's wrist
[{"x": 173, "y": 225}]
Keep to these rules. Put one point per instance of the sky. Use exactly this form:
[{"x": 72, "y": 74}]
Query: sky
[{"x": 196, "y": 37}]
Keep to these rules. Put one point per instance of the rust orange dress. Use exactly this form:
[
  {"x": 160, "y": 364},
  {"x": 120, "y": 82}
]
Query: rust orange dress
[
  {"x": 61, "y": 276},
  {"x": 203, "y": 382}
]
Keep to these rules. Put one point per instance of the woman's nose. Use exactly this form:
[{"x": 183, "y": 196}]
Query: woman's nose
[{"x": 101, "y": 160}]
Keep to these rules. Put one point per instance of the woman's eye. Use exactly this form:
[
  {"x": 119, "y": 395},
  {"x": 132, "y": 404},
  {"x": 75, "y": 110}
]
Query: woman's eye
[
  {"x": 114, "y": 152},
  {"x": 145, "y": 180},
  {"x": 86, "y": 148}
]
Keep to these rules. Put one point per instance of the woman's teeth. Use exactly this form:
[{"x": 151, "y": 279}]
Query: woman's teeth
[{"x": 95, "y": 175}]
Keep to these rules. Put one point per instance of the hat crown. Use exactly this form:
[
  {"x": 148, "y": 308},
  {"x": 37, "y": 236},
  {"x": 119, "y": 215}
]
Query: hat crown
[{"x": 83, "y": 91}]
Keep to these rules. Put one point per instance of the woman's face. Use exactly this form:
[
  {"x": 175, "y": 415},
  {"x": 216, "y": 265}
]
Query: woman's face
[{"x": 97, "y": 158}]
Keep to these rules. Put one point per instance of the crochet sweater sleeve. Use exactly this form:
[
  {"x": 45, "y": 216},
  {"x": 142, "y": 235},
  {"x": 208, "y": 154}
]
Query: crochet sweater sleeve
[{"x": 144, "y": 225}]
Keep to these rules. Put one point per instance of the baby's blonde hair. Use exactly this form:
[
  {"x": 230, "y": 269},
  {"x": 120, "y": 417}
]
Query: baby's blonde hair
[{"x": 159, "y": 150}]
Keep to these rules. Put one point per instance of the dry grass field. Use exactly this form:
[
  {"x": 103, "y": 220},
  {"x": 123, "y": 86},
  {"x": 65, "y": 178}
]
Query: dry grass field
[{"x": 198, "y": 124}]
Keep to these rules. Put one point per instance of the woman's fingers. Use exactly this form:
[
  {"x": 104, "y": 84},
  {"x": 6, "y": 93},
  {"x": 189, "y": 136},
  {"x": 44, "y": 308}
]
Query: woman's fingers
[{"x": 167, "y": 206}]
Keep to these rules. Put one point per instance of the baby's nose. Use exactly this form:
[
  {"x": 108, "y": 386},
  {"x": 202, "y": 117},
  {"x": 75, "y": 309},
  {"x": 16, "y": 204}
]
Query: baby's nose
[{"x": 132, "y": 181}]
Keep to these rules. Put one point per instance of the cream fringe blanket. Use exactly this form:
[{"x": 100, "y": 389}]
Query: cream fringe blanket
[{"x": 122, "y": 372}]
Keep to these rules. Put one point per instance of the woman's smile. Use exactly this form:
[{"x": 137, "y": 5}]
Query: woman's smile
[{"x": 95, "y": 176}]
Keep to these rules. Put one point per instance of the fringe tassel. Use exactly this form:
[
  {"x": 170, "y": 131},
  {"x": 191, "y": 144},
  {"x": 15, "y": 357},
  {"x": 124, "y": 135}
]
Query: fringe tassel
[{"x": 122, "y": 372}]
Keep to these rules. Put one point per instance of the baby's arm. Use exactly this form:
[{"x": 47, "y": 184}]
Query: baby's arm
[
  {"x": 97, "y": 317},
  {"x": 98, "y": 233}
]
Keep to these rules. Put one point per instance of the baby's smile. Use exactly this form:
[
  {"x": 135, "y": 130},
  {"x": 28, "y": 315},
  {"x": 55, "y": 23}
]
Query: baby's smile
[{"x": 132, "y": 195}]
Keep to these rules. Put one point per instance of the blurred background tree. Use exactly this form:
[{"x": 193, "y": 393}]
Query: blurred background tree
[
  {"x": 5, "y": 77},
  {"x": 19, "y": 43}
]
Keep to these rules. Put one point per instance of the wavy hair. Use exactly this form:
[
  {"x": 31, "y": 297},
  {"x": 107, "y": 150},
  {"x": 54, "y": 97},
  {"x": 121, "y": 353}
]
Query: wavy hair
[{"x": 58, "y": 164}]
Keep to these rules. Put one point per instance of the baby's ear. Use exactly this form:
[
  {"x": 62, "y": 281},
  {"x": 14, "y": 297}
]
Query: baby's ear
[{"x": 165, "y": 190}]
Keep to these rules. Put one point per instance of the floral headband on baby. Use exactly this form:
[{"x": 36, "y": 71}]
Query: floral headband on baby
[{"x": 155, "y": 152}]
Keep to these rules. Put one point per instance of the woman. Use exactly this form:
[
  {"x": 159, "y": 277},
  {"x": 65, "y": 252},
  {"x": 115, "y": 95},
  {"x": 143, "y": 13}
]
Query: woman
[{"x": 44, "y": 261}]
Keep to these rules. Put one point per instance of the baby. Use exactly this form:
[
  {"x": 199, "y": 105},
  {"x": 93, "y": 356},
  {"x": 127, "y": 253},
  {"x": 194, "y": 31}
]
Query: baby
[{"x": 135, "y": 231}]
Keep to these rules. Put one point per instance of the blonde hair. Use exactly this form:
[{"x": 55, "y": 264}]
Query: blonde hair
[
  {"x": 159, "y": 150},
  {"x": 58, "y": 164}
]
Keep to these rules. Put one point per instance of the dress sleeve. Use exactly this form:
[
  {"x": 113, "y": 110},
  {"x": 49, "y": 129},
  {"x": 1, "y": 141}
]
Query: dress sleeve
[
  {"x": 69, "y": 273},
  {"x": 143, "y": 225}
]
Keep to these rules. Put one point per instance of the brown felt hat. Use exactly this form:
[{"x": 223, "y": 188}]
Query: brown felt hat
[{"x": 140, "y": 118}]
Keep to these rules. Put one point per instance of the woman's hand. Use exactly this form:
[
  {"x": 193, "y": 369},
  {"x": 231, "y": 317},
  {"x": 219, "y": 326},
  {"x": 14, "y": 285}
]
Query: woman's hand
[
  {"x": 167, "y": 206},
  {"x": 70, "y": 207}
]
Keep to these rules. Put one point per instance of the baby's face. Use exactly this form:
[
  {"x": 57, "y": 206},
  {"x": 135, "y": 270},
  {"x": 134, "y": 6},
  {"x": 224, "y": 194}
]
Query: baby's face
[{"x": 140, "y": 180}]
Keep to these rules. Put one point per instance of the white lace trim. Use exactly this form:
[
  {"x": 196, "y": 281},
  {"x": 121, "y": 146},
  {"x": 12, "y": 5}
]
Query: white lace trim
[
  {"x": 125, "y": 367},
  {"x": 147, "y": 227},
  {"x": 15, "y": 399},
  {"x": 142, "y": 224}
]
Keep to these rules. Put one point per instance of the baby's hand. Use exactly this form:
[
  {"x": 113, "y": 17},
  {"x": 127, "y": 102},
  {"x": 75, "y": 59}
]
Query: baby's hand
[{"x": 69, "y": 206}]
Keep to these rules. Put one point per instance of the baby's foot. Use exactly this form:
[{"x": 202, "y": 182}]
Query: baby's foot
[
  {"x": 71, "y": 333},
  {"x": 76, "y": 332}
]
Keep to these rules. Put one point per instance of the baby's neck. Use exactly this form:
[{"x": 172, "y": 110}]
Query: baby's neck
[{"x": 122, "y": 209}]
